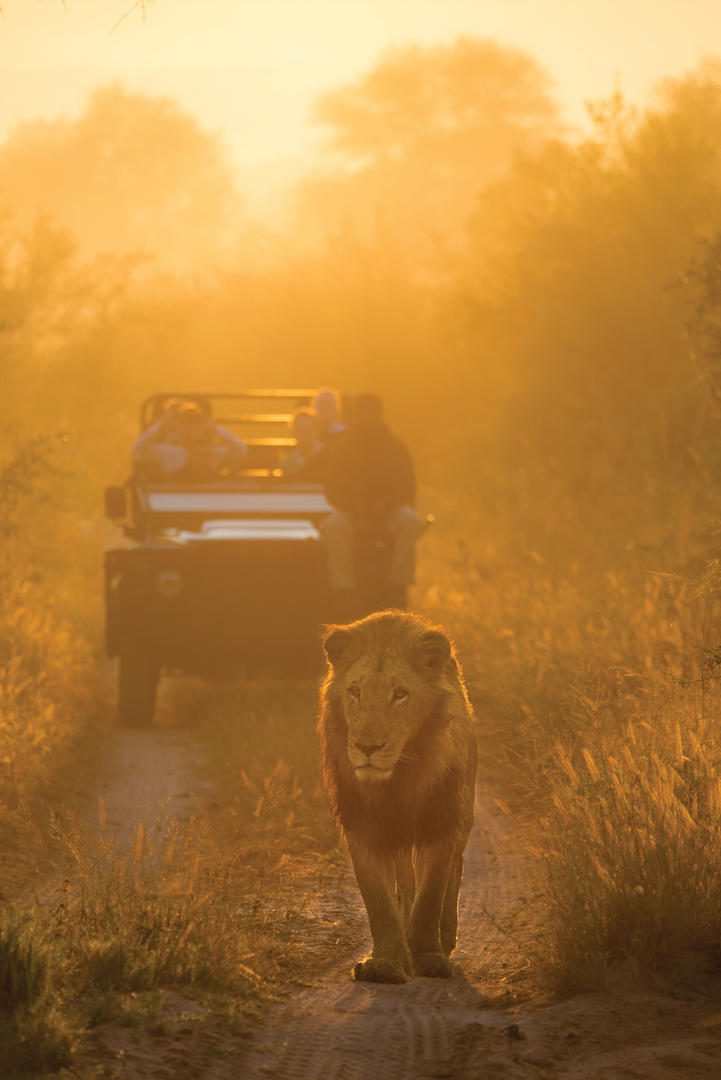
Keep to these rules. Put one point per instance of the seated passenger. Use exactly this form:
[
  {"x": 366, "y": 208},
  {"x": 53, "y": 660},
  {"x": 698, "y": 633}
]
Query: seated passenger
[
  {"x": 327, "y": 415},
  {"x": 186, "y": 444},
  {"x": 308, "y": 458},
  {"x": 371, "y": 484}
]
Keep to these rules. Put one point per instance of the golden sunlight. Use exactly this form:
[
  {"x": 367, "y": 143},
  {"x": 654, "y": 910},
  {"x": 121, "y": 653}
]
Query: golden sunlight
[{"x": 359, "y": 551}]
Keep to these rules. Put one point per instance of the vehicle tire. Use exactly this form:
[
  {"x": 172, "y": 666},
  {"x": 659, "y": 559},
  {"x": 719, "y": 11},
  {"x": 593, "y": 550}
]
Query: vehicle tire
[{"x": 137, "y": 684}]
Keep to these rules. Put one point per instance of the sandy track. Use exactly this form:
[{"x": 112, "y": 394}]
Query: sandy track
[
  {"x": 341, "y": 1030},
  {"x": 148, "y": 775},
  {"x": 482, "y": 1024}
]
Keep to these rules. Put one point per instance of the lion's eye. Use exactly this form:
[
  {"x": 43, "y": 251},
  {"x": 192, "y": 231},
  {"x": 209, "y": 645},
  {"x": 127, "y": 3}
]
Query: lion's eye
[
  {"x": 353, "y": 692},
  {"x": 400, "y": 693}
]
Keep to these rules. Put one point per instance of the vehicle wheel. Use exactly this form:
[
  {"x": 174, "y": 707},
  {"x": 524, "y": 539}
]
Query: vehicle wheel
[{"x": 137, "y": 684}]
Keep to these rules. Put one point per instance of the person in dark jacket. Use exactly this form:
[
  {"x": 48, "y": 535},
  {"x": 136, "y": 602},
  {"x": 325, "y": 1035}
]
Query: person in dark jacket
[{"x": 371, "y": 485}]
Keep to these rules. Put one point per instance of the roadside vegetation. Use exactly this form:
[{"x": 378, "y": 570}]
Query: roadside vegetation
[
  {"x": 598, "y": 709},
  {"x": 47, "y": 673},
  {"x": 188, "y": 931},
  {"x": 541, "y": 316}
]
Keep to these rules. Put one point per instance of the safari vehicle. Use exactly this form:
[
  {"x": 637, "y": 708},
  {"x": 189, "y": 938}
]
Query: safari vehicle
[{"x": 217, "y": 576}]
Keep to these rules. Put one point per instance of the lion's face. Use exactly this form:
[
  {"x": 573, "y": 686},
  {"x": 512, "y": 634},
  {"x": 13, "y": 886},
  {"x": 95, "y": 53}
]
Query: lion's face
[
  {"x": 388, "y": 682},
  {"x": 381, "y": 709}
]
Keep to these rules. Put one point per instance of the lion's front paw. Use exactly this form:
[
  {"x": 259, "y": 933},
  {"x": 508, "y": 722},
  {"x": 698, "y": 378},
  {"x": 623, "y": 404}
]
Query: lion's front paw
[
  {"x": 432, "y": 965},
  {"x": 382, "y": 971}
]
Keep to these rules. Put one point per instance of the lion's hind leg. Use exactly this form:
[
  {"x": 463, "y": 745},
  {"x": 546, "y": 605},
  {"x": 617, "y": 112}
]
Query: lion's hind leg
[
  {"x": 449, "y": 912},
  {"x": 405, "y": 883}
]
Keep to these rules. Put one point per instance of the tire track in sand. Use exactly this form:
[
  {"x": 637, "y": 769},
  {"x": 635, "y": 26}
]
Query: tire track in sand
[
  {"x": 457, "y": 1029},
  {"x": 147, "y": 776},
  {"x": 341, "y": 1030}
]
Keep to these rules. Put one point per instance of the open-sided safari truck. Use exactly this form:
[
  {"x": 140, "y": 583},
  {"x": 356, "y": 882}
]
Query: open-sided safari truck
[{"x": 217, "y": 576}]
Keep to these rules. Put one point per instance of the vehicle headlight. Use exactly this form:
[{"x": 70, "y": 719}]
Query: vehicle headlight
[{"x": 169, "y": 583}]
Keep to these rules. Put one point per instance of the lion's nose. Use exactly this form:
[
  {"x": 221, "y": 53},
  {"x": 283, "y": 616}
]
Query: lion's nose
[{"x": 370, "y": 748}]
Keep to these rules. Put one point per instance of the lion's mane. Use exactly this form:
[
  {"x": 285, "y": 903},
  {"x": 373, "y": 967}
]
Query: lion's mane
[{"x": 429, "y": 797}]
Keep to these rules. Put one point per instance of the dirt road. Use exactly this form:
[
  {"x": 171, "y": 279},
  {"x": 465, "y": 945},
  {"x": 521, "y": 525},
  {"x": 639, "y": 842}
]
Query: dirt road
[
  {"x": 341, "y": 1030},
  {"x": 485, "y": 1022},
  {"x": 148, "y": 775}
]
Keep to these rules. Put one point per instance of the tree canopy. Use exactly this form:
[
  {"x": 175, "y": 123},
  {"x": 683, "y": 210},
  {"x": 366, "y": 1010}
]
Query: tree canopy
[
  {"x": 131, "y": 173},
  {"x": 418, "y": 100},
  {"x": 413, "y": 142}
]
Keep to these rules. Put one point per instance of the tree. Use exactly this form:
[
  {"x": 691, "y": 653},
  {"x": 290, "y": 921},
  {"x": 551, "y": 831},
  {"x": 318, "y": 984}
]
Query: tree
[
  {"x": 412, "y": 143},
  {"x": 572, "y": 290},
  {"x": 473, "y": 96},
  {"x": 133, "y": 173}
]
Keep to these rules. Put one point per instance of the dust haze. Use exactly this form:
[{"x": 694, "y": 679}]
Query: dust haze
[{"x": 539, "y": 310}]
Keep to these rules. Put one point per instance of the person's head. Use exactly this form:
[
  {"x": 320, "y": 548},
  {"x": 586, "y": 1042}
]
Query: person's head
[
  {"x": 367, "y": 411},
  {"x": 325, "y": 407},
  {"x": 305, "y": 430},
  {"x": 167, "y": 415},
  {"x": 194, "y": 424}
]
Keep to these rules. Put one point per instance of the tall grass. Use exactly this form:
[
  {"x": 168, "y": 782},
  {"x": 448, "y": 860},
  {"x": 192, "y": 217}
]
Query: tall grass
[
  {"x": 47, "y": 676},
  {"x": 632, "y": 846},
  {"x": 262, "y": 749},
  {"x": 34, "y": 1035},
  {"x": 594, "y": 673},
  {"x": 48, "y": 689},
  {"x": 169, "y": 912},
  {"x": 226, "y": 909},
  {"x": 46, "y": 686}
]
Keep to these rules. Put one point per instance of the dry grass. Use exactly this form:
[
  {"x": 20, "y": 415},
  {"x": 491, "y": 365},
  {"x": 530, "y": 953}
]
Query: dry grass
[
  {"x": 227, "y": 910},
  {"x": 215, "y": 911},
  {"x": 594, "y": 682},
  {"x": 47, "y": 683},
  {"x": 173, "y": 913},
  {"x": 48, "y": 678},
  {"x": 263, "y": 753},
  {"x": 631, "y": 846},
  {"x": 34, "y": 1035}
]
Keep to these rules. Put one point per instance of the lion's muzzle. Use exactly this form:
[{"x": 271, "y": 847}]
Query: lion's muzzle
[
  {"x": 369, "y": 762},
  {"x": 372, "y": 772}
]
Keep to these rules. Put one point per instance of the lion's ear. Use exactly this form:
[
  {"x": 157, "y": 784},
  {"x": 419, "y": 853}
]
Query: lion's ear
[
  {"x": 339, "y": 644},
  {"x": 432, "y": 650}
]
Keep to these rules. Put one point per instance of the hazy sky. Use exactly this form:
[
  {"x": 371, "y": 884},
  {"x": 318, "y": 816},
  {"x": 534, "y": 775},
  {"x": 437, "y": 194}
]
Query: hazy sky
[{"x": 251, "y": 68}]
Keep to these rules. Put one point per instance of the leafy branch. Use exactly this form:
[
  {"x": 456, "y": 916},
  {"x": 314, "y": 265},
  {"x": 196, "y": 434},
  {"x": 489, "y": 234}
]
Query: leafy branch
[{"x": 20, "y": 477}]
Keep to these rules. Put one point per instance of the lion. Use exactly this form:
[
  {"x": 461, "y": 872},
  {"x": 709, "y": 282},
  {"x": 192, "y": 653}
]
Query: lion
[{"x": 398, "y": 749}]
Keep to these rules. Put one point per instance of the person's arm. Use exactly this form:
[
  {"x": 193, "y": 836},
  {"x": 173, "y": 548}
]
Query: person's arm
[
  {"x": 405, "y": 480},
  {"x": 156, "y": 452},
  {"x": 338, "y": 488},
  {"x": 152, "y": 434},
  {"x": 314, "y": 469},
  {"x": 290, "y": 465},
  {"x": 235, "y": 446}
]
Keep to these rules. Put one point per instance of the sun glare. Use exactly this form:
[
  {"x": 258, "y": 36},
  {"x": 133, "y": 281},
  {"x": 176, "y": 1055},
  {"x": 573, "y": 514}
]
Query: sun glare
[{"x": 252, "y": 70}]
